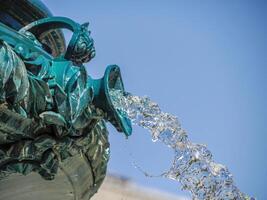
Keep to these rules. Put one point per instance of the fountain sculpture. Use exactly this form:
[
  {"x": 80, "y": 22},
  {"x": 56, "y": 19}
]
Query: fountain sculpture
[{"x": 52, "y": 114}]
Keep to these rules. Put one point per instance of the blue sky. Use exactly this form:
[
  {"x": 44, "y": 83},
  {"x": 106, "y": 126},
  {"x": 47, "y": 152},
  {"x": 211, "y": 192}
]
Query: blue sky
[{"x": 204, "y": 61}]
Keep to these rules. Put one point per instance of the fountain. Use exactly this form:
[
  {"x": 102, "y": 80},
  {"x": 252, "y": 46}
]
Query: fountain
[{"x": 52, "y": 115}]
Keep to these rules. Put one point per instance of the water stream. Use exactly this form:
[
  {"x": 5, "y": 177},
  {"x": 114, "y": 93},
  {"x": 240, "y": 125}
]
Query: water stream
[{"x": 193, "y": 165}]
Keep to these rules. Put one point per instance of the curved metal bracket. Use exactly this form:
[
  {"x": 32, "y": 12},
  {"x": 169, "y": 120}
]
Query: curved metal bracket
[{"x": 81, "y": 46}]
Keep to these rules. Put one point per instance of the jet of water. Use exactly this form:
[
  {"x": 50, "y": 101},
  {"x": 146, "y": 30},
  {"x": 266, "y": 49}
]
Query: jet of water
[{"x": 193, "y": 165}]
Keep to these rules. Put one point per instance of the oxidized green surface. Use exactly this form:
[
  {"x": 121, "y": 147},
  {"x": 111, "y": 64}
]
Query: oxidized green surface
[{"x": 50, "y": 109}]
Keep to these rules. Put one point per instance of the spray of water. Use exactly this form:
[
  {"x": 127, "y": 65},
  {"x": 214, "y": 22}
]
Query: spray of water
[{"x": 193, "y": 165}]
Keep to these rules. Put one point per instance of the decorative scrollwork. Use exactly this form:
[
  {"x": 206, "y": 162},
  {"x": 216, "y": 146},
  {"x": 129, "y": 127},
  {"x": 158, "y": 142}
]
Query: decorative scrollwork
[{"x": 81, "y": 48}]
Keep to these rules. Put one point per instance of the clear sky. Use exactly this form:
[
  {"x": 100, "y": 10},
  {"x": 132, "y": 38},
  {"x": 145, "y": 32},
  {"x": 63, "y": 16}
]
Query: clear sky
[{"x": 204, "y": 61}]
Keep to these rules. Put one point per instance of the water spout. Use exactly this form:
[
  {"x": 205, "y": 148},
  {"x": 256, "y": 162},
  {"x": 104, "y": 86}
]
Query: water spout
[{"x": 193, "y": 165}]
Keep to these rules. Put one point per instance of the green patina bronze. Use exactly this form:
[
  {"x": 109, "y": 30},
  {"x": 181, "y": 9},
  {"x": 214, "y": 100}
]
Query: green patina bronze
[{"x": 50, "y": 109}]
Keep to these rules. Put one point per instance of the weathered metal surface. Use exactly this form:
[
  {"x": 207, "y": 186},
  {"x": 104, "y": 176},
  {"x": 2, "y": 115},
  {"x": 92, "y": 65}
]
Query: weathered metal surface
[
  {"x": 71, "y": 183},
  {"x": 52, "y": 114}
]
